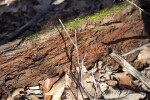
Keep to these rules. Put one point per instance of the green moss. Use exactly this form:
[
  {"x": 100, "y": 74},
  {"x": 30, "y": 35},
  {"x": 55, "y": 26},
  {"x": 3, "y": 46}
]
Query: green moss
[
  {"x": 35, "y": 35},
  {"x": 115, "y": 8},
  {"x": 74, "y": 24},
  {"x": 77, "y": 22}
]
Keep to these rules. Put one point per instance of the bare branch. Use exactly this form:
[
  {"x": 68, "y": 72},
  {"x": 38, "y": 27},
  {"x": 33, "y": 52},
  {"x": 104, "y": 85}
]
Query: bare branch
[
  {"x": 78, "y": 63},
  {"x": 66, "y": 32},
  {"x": 138, "y": 7},
  {"x": 129, "y": 68},
  {"x": 137, "y": 49}
]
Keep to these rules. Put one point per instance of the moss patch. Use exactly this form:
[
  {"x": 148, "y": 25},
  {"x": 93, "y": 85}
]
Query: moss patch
[
  {"x": 77, "y": 22},
  {"x": 35, "y": 35}
]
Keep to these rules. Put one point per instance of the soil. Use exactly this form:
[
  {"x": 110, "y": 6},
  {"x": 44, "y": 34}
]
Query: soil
[{"x": 54, "y": 52}]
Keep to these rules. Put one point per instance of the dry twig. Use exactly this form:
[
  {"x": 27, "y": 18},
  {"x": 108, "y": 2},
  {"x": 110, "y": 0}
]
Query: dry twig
[
  {"x": 78, "y": 62},
  {"x": 138, "y": 7},
  {"x": 137, "y": 49},
  {"x": 129, "y": 68}
]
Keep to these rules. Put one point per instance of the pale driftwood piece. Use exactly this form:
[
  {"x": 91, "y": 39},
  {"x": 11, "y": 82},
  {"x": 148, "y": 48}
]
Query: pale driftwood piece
[
  {"x": 130, "y": 69},
  {"x": 136, "y": 49}
]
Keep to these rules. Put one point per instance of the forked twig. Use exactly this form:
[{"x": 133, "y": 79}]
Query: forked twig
[
  {"x": 78, "y": 61},
  {"x": 75, "y": 45}
]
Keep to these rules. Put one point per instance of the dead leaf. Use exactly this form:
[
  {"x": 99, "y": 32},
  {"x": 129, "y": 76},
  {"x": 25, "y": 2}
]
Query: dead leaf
[
  {"x": 47, "y": 97},
  {"x": 108, "y": 72},
  {"x": 87, "y": 86},
  {"x": 48, "y": 83},
  {"x": 113, "y": 93},
  {"x": 17, "y": 92},
  {"x": 100, "y": 65},
  {"x": 84, "y": 69},
  {"x": 93, "y": 70},
  {"x": 67, "y": 95},
  {"x": 124, "y": 80},
  {"x": 57, "y": 90},
  {"x": 9, "y": 98},
  {"x": 73, "y": 94},
  {"x": 46, "y": 86},
  {"x": 103, "y": 87},
  {"x": 90, "y": 79},
  {"x": 111, "y": 83},
  {"x": 68, "y": 80},
  {"x": 144, "y": 56}
]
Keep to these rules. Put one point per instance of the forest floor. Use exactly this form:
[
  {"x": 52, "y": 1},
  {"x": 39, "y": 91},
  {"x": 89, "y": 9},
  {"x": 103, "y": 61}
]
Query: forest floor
[{"x": 43, "y": 56}]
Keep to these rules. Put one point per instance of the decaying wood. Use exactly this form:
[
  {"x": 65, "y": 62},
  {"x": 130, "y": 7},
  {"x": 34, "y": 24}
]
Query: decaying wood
[
  {"x": 136, "y": 49},
  {"x": 130, "y": 69},
  {"x": 2, "y": 83}
]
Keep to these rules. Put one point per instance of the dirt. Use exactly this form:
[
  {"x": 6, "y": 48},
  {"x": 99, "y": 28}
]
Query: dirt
[{"x": 124, "y": 32}]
